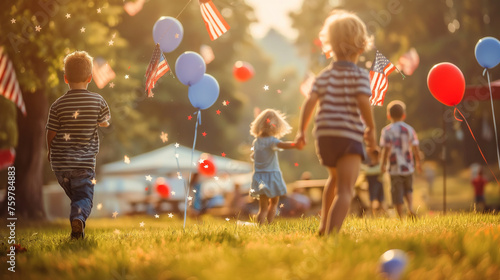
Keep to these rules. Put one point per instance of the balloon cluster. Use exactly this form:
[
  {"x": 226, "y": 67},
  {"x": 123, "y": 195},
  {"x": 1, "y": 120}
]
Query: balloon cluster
[
  {"x": 190, "y": 67},
  {"x": 447, "y": 83}
]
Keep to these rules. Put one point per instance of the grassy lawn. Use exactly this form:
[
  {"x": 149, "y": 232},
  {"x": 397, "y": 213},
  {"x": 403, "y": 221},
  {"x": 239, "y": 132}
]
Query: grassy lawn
[{"x": 455, "y": 246}]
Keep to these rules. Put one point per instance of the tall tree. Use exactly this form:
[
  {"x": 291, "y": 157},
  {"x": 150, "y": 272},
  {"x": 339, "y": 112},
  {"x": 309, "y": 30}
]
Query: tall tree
[{"x": 37, "y": 37}]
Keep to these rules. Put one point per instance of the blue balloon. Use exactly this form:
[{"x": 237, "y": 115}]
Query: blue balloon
[
  {"x": 488, "y": 52},
  {"x": 204, "y": 93},
  {"x": 168, "y": 32},
  {"x": 393, "y": 263},
  {"x": 190, "y": 68}
]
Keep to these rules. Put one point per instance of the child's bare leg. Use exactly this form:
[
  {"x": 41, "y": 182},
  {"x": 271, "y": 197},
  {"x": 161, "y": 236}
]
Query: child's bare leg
[
  {"x": 272, "y": 209},
  {"x": 409, "y": 200},
  {"x": 263, "y": 208},
  {"x": 399, "y": 209},
  {"x": 328, "y": 196},
  {"x": 347, "y": 173},
  {"x": 375, "y": 207}
]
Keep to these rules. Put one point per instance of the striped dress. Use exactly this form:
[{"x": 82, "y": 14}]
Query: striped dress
[
  {"x": 338, "y": 114},
  {"x": 75, "y": 117}
]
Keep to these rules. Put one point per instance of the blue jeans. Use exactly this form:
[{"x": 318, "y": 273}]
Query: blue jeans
[{"x": 79, "y": 188}]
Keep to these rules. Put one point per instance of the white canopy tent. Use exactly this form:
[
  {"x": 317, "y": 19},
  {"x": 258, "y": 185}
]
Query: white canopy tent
[{"x": 163, "y": 161}]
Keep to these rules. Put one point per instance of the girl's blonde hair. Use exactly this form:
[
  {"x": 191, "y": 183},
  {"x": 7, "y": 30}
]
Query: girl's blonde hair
[
  {"x": 345, "y": 34},
  {"x": 270, "y": 123}
]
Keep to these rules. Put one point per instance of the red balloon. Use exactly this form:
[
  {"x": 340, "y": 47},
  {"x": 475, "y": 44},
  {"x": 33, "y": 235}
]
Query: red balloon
[
  {"x": 207, "y": 167},
  {"x": 446, "y": 83},
  {"x": 242, "y": 71},
  {"x": 7, "y": 157},
  {"x": 162, "y": 188}
]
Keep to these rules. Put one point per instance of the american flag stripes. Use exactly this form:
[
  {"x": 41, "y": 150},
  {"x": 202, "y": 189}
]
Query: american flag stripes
[
  {"x": 215, "y": 23},
  {"x": 157, "y": 67},
  {"x": 382, "y": 67},
  {"x": 9, "y": 86},
  {"x": 102, "y": 74}
]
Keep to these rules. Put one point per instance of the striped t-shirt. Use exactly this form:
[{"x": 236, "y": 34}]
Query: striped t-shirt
[
  {"x": 338, "y": 114},
  {"x": 75, "y": 117}
]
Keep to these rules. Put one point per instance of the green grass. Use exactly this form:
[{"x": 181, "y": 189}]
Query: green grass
[{"x": 455, "y": 246}]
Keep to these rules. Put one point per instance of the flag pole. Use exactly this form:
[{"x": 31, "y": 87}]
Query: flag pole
[{"x": 399, "y": 71}]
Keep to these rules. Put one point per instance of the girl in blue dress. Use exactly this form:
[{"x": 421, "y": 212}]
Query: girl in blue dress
[{"x": 267, "y": 182}]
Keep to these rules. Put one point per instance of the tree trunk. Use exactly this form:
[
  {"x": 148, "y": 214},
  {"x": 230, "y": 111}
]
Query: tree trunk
[{"x": 29, "y": 158}]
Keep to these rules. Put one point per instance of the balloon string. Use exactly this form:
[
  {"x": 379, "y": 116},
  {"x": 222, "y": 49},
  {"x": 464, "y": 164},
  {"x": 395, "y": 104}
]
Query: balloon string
[
  {"x": 178, "y": 15},
  {"x": 198, "y": 121},
  {"x": 493, "y": 112},
  {"x": 473, "y": 137}
]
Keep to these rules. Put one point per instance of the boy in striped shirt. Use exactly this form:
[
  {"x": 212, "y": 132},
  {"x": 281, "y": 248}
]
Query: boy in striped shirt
[
  {"x": 72, "y": 138},
  {"x": 344, "y": 117}
]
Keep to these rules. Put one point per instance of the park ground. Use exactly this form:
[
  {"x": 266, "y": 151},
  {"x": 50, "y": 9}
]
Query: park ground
[{"x": 451, "y": 246}]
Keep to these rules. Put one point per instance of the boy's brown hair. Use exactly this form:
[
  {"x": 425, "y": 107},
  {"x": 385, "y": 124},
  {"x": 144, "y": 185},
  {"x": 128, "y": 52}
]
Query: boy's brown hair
[
  {"x": 78, "y": 66},
  {"x": 396, "y": 109},
  {"x": 345, "y": 34}
]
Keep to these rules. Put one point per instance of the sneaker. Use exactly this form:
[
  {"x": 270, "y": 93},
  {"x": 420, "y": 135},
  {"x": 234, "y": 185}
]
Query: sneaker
[{"x": 77, "y": 229}]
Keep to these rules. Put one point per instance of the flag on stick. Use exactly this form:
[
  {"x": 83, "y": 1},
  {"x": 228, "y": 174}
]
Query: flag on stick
[
  {"x": 157, "y": 67},
  {"x": 9, "y": 86},
  {"x": 214, "y": 22},
  {"x": 381, "y": 68},
  {"x": 409, "y": 61},
  {"x": 102, "y": 74}
]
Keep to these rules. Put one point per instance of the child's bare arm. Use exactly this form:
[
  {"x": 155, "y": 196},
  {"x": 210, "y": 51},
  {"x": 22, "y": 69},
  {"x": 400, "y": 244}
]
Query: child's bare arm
[
  {"x": 416, "y": 153},
  {"x": 367, "y": 114},
  {"x": 286, "y": 145},
  {"x": 305, "y": 117},
  {"x": 385, "y": 155},
  {"x": 50, "y": 135},
  {"x": 105, "y": 123}
]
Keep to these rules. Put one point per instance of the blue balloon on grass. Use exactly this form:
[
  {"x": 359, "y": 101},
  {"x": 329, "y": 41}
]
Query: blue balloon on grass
[
  {"x": 204, "y": 93},
  {"x": 168, "y": 32},
  {"x": 393, "y": 263},
  {"x": 190, "y": 68},
  {"x": 487, "y": 52}
]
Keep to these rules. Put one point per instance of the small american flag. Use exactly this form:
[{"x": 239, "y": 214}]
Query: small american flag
[
  {"x": 382, "y": 67},
  {"x": 409, "y": 61},
  {"x": 307, "y": 85},
  {"x": 207, "y": 53},
  {"x": 132, "y": 8},
  {"x": 215, "y": 23},
  {"x": 102, "y": 74},
  {"x": 9, "y": 86},
  {"x": 157, "y": 67}
]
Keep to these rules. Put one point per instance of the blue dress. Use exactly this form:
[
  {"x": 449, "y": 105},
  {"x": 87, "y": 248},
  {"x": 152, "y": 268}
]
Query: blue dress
[{"x": 267, "y": 179}]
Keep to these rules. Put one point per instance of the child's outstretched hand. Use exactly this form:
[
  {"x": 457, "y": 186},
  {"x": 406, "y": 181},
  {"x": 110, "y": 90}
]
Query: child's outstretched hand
[{"x": 300, "y": 141}]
